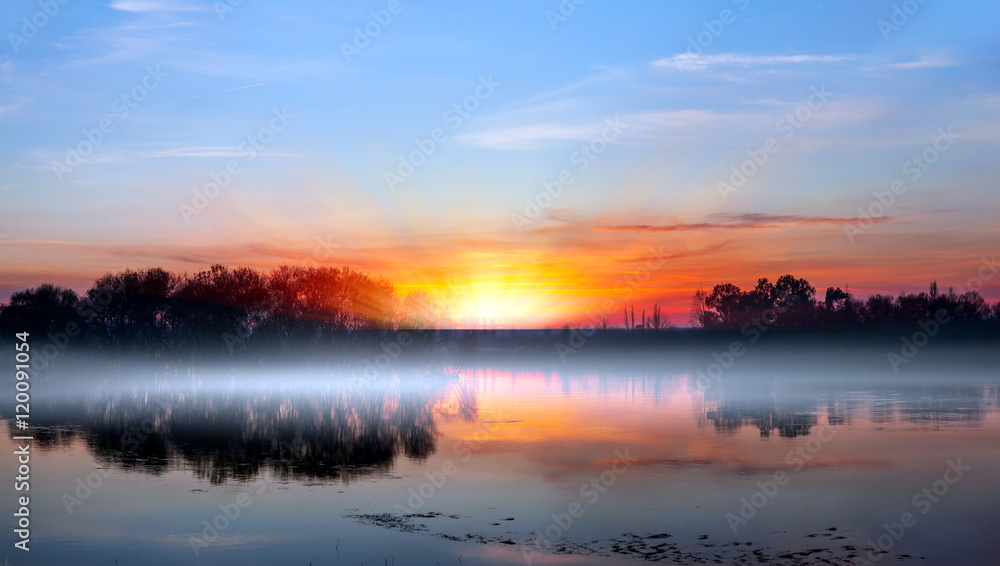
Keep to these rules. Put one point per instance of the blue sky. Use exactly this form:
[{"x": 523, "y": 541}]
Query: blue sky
[{"x": 690, "y": 118}]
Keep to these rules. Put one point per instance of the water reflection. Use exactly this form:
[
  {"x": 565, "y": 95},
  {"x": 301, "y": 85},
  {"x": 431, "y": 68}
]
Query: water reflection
[
  {"x": 778, "y": 406},
  {"x": 730, "y": 417},
  {"x": 338, "y": 430},
  {"x": 341, "y": 431}
]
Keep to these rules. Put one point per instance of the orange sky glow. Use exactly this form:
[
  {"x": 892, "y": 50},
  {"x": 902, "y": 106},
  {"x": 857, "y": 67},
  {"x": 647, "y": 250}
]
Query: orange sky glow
[{"x": 566, "y": 273}]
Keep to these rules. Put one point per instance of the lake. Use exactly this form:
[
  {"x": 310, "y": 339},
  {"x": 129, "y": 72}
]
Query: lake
[{"x": 778, "y": 461}]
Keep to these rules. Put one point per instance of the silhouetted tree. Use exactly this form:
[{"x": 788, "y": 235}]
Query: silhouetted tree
[
  {"x": 790, "y": 303},
  {"x": 210, "y": 304},
  {"x": 700, "y": 315},
  {"x": 728, "y": 302},
  {"x": 656, "y": 320},
  {"x": 834, "y": 298},
  {"x": 879, "y": 311},
  {"x": 136, "y": 315},
  {"x": 40, "y": 311}
]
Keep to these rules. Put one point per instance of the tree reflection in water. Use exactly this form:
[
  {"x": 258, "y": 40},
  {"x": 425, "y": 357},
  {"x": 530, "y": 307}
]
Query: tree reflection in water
[{"x": 341, "y": 432}]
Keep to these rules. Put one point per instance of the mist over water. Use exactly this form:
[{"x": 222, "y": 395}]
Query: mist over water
[{"x": 607, "y": 458}]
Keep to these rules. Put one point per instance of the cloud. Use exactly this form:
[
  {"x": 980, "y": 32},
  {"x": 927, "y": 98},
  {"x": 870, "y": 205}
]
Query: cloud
[
  {"x": 767, "y": 102},
  {"x": 530, "y": 136},
  {"x": 736, "y": 222},
  {"x": 143, "y": 6},
  {"x": 638, "y": 127},
  {"x": 608, "y": 75},
  {"x": 210, "y": 94},
  {"x": 201, "y": 151},
  {"x": 697, "y": 62},
  {"x": 704, "y": 252},
  {"x": 925, "y": 62}
]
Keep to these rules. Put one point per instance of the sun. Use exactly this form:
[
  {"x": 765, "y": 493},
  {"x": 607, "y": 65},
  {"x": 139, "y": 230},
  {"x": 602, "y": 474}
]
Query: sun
[
  {"x": 489, "y": 313},
  {"x": 497, "y": 290},
  {"x": 488, "y": 303},
  {"x": 491, "y": 297}
]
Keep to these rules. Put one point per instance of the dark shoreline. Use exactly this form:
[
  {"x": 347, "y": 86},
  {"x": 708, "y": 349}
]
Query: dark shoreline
[{"x": 378, "y": 351}]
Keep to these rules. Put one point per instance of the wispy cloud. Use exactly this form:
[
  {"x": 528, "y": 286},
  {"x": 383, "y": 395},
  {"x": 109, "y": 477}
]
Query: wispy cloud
[
  {"x": 924, "y": 62},
  {"x": 198, "y": 151},
  {"x": 530, "y": 136},
  {"x": 209, "y": 94},
  {"x": 128, "y": 152},
  {"x": 530, "y": 103},
  {"x": 696, "y": 62},
  {"x": 735, "y": 222},
  {"x": 766, "y": 102},
  {"x": 641, "y": 128},
  {"x": 142, "y": 6}
]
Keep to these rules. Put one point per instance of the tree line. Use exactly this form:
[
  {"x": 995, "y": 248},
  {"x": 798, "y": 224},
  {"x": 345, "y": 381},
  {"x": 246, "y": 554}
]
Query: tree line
[
  {"x": 222, "y": 308},
  {"x": 791, "y": 302}
]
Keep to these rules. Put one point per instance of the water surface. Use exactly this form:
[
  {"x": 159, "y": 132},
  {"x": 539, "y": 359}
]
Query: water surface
[{"x": 586, "y": 465}]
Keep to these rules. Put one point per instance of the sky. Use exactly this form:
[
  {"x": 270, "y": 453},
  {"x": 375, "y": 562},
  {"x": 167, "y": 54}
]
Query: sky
[{"x": 535, "y": 163}]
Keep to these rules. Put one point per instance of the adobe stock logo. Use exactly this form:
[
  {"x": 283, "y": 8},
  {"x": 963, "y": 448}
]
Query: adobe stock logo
[
  {"x": 373, "y": 28},
  {"x": 34, "y": 24},
  {"x": 565, "y": 9},
  {"x": 900, "y": 17},
  {"x": 583, "y": 157},
  {"x": 246, "y": 152},
  {"x": 455, "y": 116},
  {"x": 914, "y": 168},
  {"x": 931, "y": 327},
  {"x": 922, "y": 501},
  {"x": 758, "y": 157},
  {"x": 712, "y": 30},
  {"x": 121, "y": 108}
]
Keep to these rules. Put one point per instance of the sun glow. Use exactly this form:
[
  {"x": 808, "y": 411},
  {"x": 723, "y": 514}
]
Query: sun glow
[
  {"x": 491, "y": 304},
  {"x": 493, "y": 294}
]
